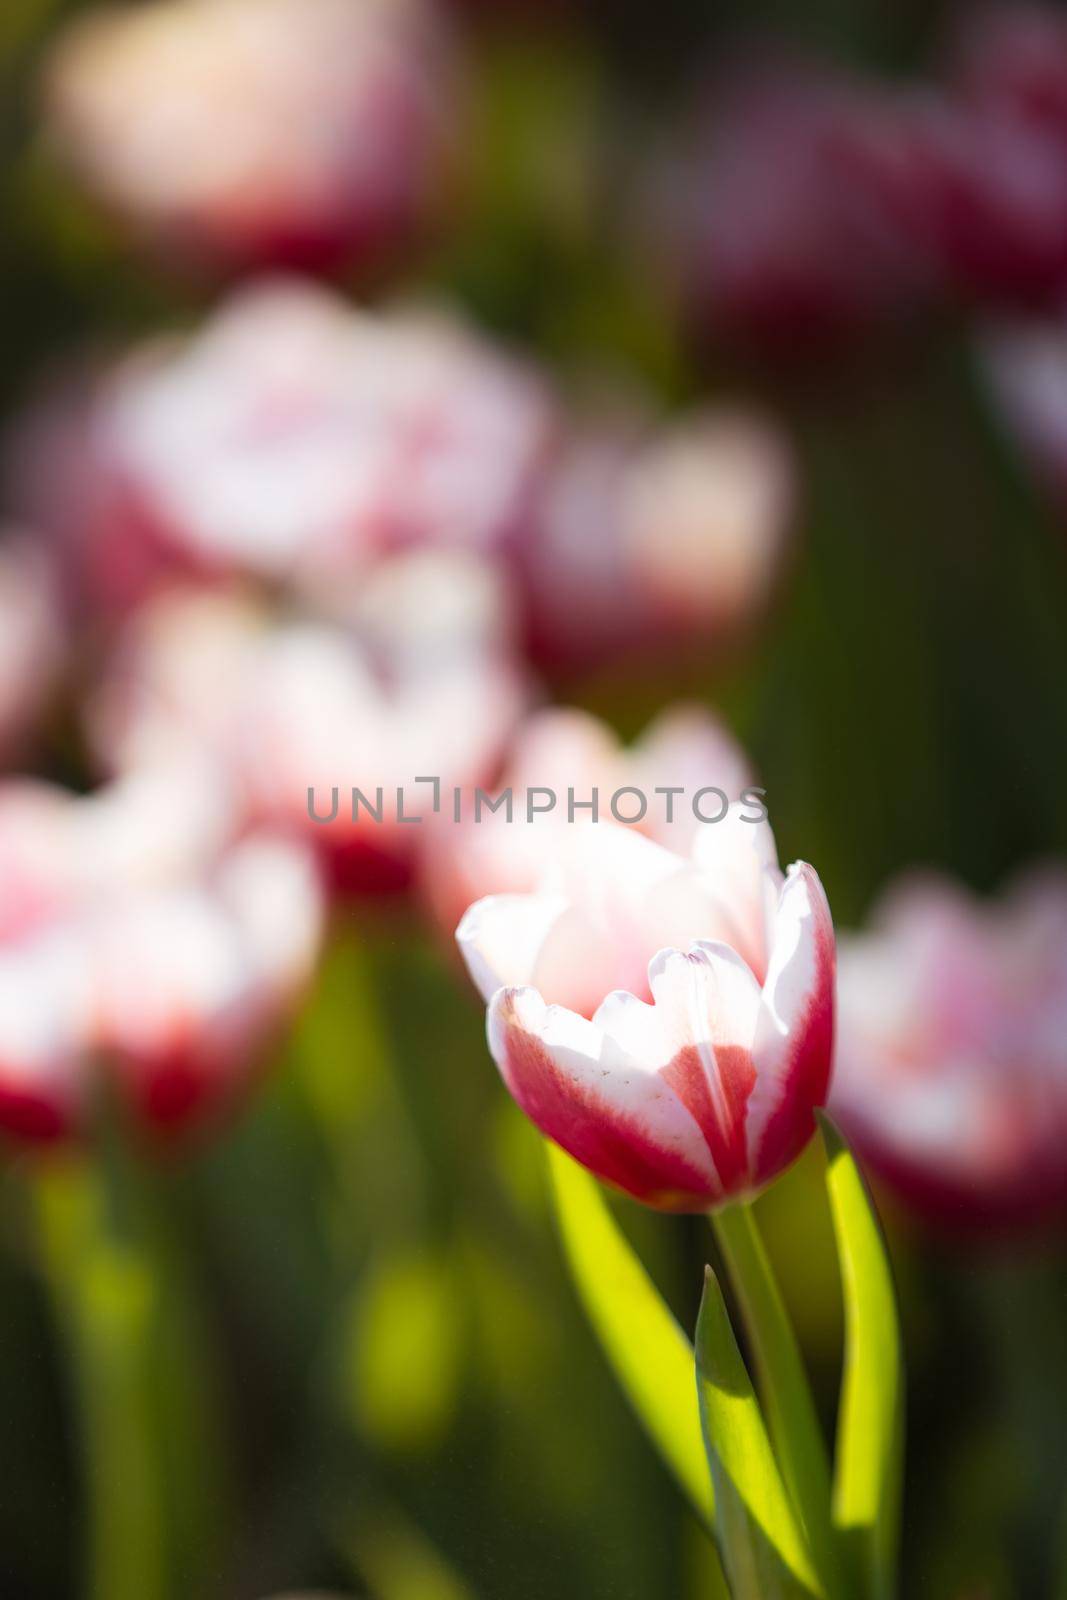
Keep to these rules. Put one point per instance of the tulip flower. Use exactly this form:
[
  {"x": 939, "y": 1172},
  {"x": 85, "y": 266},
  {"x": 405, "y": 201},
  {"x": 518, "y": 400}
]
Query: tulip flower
[
  {"x": 328, "y": 726},
  {"x": 140, "y": 938},
  {"x": 668, "y": 1022},
  {"x": 816, "y": 207},
  {"x": 951, "y": 1072},
  {"x": 191, "y": 983},
  {"x": 654, "y": 538},
  {"x": 1012, "y": 59},
  {"x": 295, "y": 439},
  {"x": 237, "y": 133},
  {"x": 998, "y": 206},
  {"x": 568, "y": 761},
  {"x": 799, "y": 219}
]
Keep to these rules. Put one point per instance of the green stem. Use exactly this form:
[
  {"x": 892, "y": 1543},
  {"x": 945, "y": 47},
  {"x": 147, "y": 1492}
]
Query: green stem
[
  {"x": 105, "y": 1297},
  {"x": 783, "y": 1383},
  {"x": 142, "y": 1384}
]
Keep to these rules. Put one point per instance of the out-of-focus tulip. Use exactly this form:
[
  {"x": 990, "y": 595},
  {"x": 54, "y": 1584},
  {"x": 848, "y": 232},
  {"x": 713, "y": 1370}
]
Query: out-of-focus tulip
[
  {"x": 1025, "y": 365},
  {"x": 414, "y": 682},
  {"x": 801, "y": 216},
  {"x": 1012, "y": 59},
  {"x": 570, "y": 757},
  {"x": 294, "y": 438},
  {"x": 707, "y": 1093},
  {"x": 60, "y": 852},
  {"x": 248, "y": 132},
  {"x": 139, "y": 938},
  {"x": 653, "y": 536},
  {"x": 31, "y": 635},
  {"x": 190, "y": 983},
  {"x": 817, "y": 207},
  {"x": 997, "y": 194},
  {"x": 951, "y": 1070},
  {"x": 107, "y": 557}
]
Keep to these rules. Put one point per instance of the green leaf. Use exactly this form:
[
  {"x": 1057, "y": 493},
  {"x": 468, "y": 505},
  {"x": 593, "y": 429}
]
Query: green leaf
[
  {"x": 870, "y": 1426},
  {"x": 760, "y": 1539},
  {"x": 651, "y": 1356},
  {"x": 783, "y": 1384}
]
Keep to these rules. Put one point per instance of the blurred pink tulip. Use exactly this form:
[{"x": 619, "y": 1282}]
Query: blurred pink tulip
[
  {"x": 241, "y": 133},
  {"x": 413, "y": 679},
  {"x": 652, "y": 539},
  {"x": 191, "y": 983},
  {"x": 997, "y": 192},
  {"x": 816, "y": 207},
  {"x": 31, "y": 638},
  {"x": 139, "y": 937},
  {"x": 294, "y": 439},
  {"x": 801, "y": 215},
  {"x": 951, "y": 1070},
  {"x": 707, "y": 1093},
  {"x": 107, "y": 556},
  {"x": 1012, "y": 59},
  {"x": 570, "y": 753}
]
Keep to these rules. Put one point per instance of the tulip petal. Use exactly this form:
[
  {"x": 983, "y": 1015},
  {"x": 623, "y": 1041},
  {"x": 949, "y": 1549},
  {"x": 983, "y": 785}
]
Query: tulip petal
[
  {"x": 794, "y": 1036},
  {"x": 738, "y": 860},
  {"x": 709, "y": 1003},
  {"x": 609, "y": 1110},
  {"x": 501, "y": 937}
]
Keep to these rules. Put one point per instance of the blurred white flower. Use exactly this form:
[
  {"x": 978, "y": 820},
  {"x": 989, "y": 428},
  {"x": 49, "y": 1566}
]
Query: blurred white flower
[
  {"x": 190, "y": 983},
  {"x": 951, "y": 1063},
  {"x": 417, "y": 680},
  {"x": 244, "y": 132},
  {"x": 295, "y": 438},
  {"x": 659, "y": 538},
  {"x": 140, "y": 936}
]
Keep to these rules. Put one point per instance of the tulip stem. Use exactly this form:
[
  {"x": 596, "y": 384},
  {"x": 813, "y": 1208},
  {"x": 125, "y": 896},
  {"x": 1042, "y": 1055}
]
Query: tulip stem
[
  {"x": 134, "y": 1347},
  {"x": 783, "y": 1383},
  {"x": 104, "y": 1295}
]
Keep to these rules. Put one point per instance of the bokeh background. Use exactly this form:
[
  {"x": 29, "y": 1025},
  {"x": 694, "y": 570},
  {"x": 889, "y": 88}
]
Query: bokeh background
[{"x": 330, "y": 1332}]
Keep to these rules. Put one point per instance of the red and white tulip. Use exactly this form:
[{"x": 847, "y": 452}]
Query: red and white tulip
[
  {"x": 657, "y": 538},
  {"x": 412, "y": 679},
  {"x": 668, "y": 1022},
  {"x": 243, "y": 133},
  {"x": 951, "y": 1073},
  {"x": 142, "y": 939},
  {"x": 295, "y": 439}
]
